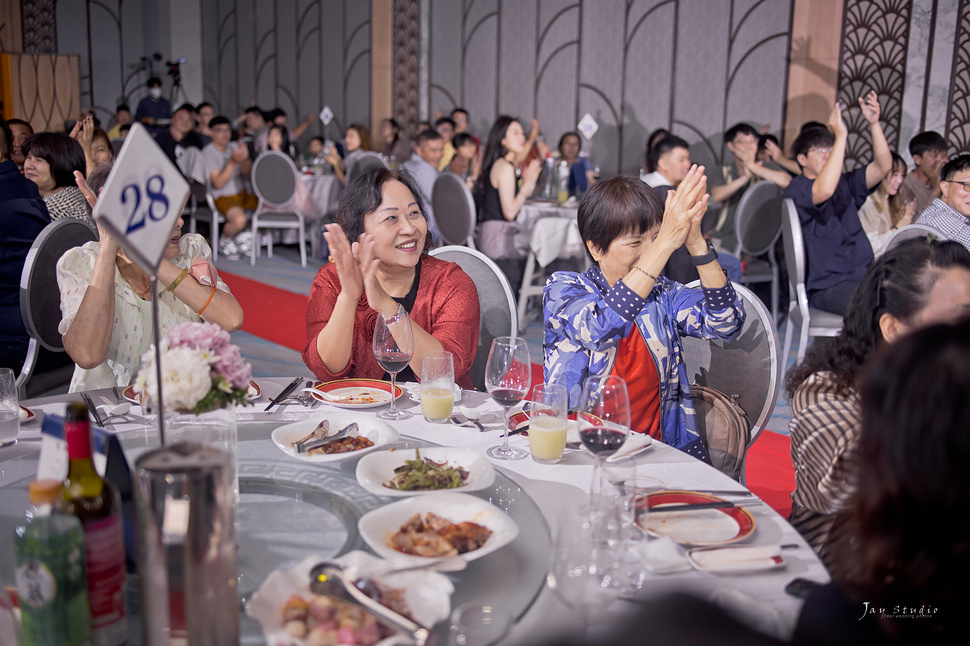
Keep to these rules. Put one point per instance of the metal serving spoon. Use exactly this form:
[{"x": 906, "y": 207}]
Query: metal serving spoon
[{"x": 461, "y": 420}]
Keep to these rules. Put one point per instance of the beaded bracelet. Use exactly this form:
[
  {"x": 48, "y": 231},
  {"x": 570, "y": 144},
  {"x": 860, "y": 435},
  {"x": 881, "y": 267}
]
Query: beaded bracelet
[
  {"x": 645, "y": 273},
  {"x": 211, "y": 294},
  {"x": 175, "y": 283}
]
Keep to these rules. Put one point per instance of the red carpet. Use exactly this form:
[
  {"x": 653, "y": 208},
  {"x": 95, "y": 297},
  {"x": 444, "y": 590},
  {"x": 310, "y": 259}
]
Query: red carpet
[{"x": 273, "y": 314}]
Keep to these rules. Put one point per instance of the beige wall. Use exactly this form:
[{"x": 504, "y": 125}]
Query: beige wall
[
  {"x": 42, "y": 89},
  {"x": 381, "y": 56}
]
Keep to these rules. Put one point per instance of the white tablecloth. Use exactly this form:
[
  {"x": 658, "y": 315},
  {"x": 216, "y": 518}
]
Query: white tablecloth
[
  {"x": 325, "y": 190},
  {"x": 555, "y": 488},
  {"x": 549, "y": 231}
]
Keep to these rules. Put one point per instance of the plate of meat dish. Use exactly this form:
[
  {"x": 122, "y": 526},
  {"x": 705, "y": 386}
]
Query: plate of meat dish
[
  {"x": 369, "y": 434},
  {"x": 436, "y": 525}
]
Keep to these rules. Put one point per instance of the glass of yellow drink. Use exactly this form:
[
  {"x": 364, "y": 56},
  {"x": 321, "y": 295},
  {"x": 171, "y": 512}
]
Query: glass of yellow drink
[
  {"x": 547, "y": 423},
  {"x": 437, "y": 386}
]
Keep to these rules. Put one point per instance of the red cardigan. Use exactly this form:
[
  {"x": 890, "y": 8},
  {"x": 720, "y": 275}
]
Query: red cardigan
[{"x": 446, "y": 307}]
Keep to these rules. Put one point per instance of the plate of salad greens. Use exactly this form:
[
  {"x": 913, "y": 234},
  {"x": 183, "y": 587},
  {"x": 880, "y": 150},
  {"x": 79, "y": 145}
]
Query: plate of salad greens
[{"x": 411, "y": 472}]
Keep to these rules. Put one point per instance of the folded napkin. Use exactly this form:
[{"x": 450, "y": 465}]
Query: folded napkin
[
  {"x": 733, "y": 559},
  {"x": 635, "y": 442},
  {"x": 663, "y": 556}
]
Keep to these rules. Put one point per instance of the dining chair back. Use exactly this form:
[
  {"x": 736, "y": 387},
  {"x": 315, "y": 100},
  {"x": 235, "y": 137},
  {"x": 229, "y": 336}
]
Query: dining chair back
[
  {"x": 747, "y": 369},
  {"x": 757, "y": 225},
  {"x": 274, "y": 177},
  {"x": 811, "y": 321},
  {"x": 911, "y": 231},
  {"x": 454, "y": 210},
  {"x": 40, "y": 298},
  {"x": 364, "y": 162},
  {"x": 201, "y": 207},
  {"x": 496, "y": 303}
]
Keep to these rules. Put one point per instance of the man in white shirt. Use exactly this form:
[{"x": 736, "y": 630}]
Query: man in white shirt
[
  {"x": 951, "y": 214},
  {"x": 423, "y": 166}
]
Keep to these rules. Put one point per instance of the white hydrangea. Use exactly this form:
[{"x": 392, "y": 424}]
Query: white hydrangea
[{"x": 185, "y": 377}]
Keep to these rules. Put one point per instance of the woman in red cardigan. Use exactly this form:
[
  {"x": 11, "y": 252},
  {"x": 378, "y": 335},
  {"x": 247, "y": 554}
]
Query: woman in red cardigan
[{"x": 387, "y": 265}]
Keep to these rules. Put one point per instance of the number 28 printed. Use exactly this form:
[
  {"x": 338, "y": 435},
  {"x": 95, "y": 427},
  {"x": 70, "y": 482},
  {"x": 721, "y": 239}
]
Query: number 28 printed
[{"x": 154, "y": 190}]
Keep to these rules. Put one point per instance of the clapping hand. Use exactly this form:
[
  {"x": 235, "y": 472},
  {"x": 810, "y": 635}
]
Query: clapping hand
[
  {"x": 240, "y": 153},
  {"x": 836, "y": 123},
  {"x": 870, "y": 107},
  {"x": 530, "y": 176},
  {"x": 342, "y": 255},
  {"x": 365, "y": 252},
  {"x": 684, "y": 210}
]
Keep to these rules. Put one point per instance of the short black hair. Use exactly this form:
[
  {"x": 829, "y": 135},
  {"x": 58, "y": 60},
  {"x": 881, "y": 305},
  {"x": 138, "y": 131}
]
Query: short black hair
[
  {"x": 809, "y": 138},
  {"x": 153, "y": 81},
  {"x": 122, "y": 106},
  {"x": 20, "y": 122},
  {"x": 185, "y": 106},
  {"x": 364, "y": 194},
  {"x": 6, "y": 140},
  {"x": 954, "y": 166},
  {"x": 254, "y": 108},
  {"x": 320, "y": 139},
  {"x": 764, "y": 139},
  {"x": 925, "y": 142},
  {"x": 445, "y": 120},
  {"x": 616, "y": 207},
  {"x": 61, "y": 152},
  {"x": 812, "y": 124},
  {"x": 204, "y": 104},
  {"x": 462, "y": 110},
  {"x": 571, "y": 133},
  {"x": 124, "y": 127},
  {"x": 425, "y": 136},
  {"x": 219, "y": 121},
  {"x": 739, "y": 128},
  {"x": 275, "y": 112},
  {"x": 461, "y": 139},
  {"x": 664, "y": 146}
]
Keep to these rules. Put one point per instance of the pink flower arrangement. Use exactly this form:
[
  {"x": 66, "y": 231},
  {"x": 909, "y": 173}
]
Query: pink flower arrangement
[{"x": 189, "y": 353}]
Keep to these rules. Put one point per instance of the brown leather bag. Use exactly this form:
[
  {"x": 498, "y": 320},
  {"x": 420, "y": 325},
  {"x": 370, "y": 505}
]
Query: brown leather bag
[{"x": 724, "y": 428}]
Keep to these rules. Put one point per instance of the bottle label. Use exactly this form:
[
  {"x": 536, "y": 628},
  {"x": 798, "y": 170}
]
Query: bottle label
[
  {"x": 35, "y": 584},
  {"x": 105, "y": 549}
]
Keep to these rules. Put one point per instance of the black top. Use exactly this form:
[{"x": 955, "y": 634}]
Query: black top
[
  {"x": 407, "y": 301},
  {"x": 491, "y": 204}
]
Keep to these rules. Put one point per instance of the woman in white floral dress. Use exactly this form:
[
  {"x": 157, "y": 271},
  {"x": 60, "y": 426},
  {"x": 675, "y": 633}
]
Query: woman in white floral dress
[{"x": 106, "y": 307}]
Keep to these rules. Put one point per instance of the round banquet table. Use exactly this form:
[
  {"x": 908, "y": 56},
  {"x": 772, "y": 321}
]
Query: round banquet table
[
  {"x": 290, "y": 509},
  {"x": 325, "y": 190}
]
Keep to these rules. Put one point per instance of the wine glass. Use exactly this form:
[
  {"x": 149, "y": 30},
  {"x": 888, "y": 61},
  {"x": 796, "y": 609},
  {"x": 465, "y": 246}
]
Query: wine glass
[
  {"x": 508, "y": 375},
  {"x": 393, "y": 347},
  {"x": 604, "y": 422}
]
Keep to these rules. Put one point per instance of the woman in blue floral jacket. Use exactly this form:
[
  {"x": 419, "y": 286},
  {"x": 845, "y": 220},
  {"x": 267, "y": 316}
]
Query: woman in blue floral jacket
[{"x": 622, "y": 318}]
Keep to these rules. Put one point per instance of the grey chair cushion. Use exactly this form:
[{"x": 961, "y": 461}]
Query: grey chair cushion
[
  {"x": 274, "y": 178},
  {"x": 758, "y": 219},
  {"x": 364, "y": 163},
  {"x": 453, "y": 209}
]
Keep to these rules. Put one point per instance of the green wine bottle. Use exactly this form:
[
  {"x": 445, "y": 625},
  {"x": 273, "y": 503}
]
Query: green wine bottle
[{"x": 96, "y": 503}]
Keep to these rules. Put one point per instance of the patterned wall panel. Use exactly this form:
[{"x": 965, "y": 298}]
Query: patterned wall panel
[
  {"x": 958, "y": 116},
  {"x": 406, "y": 62},
  {"x": 44, "y": 89},
  {"x": 874, "y": 47},
  {"x": 691, "y": 65},
  {"x": 37, "y": 23},
  {"x": 296, "y": 54}
]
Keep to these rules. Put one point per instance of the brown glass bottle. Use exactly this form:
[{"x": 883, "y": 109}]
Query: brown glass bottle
[{"x": 96, "y": 503}]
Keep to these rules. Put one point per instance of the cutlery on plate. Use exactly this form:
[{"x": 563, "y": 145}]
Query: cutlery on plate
[
  {"x": 93, "y": 409},
  {"x": 447, "y": 564},
  {"x": 305, "y": 396},
  {"x": 114, "y": 410},
  {"x": 311, "y": 442},
  {"x": 286, "y": 391},
  {"x": 691, "y": 506}
]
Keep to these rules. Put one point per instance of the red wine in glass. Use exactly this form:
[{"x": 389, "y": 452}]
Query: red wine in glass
[
  {"x": 506, "y": 397},
  {"x": 601, "y": 441},
  {"x": 393, "y": 362}
]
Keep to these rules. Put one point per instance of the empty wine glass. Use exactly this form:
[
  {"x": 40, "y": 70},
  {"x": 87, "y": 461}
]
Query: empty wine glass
[
  {"x": 508, "y": 375},
  {"x": 393, "y": 347},
  {"x": 604, "y": 422}
]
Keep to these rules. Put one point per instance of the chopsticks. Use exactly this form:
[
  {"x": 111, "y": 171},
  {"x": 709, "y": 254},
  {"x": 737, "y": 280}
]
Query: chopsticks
[
  {"x": 93, "y": 409},
  {"x": 691, "y": 506},
  {"x": 286, "y": 391}
]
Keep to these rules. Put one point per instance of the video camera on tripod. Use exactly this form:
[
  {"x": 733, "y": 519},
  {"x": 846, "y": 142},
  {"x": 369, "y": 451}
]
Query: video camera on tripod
[{"x": 175, "y": 71}]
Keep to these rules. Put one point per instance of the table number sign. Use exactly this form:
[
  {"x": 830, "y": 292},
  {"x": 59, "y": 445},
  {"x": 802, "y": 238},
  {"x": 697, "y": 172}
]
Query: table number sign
[
  {"x": 142, "y": 199},
  {"x": 587, "y": 126},
  {"x": 326, "y": 115}
]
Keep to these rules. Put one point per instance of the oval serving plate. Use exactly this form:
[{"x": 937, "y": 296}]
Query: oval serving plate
[
  {"x": 377, "y": 468},
  {"x": 252, "y": 395},
  {"x": 374, "y": 429},
  {"x": 26, "y": 415},
  {"x": 377, "y": 527},
  {"x": 701, "y": 527},
  {"x": 369, "y": 392}
]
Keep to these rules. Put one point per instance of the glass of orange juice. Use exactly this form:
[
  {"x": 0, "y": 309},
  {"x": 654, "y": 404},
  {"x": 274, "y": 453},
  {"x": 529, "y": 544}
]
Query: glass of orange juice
[
  {"x": 547, "y": 423},
  {"x": 437, "y": 386}
]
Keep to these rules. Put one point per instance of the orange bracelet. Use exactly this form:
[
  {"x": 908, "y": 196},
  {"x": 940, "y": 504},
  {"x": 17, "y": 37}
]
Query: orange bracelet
[{"x": 211, "y": 294}]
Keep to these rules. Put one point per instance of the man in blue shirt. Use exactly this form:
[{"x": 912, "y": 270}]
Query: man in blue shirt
[{"x": 828, "y": 200}]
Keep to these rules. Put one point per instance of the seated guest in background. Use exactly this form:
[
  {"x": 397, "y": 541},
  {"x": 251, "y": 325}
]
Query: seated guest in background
[
  {"x": 581, "y": 173},
  {"x": 910, "y": 286},
  {"x": 94, "y": 142},
  {"x": 883, "y": 213},
  {"x": 467, "y": 162},
  {"x": 460, "y": 117},
  {"x": 650, "y": 163},
  {"x": 423, "y": 166},
  {"x": 105, "y": 301},
  {"x": 278, "y": 117},
  {"x": 951, "y": 215},
  {"x": 153, "y": 110},
  {"x": 922, "y": 185},
  {"x": 622, "y": 318},
  {"x": 253, "y": 122},
  {"x": 380, "y": 262},
  {"x": 769, "y": 152},
  {"x": 356, "y": 142},
  {"x": 671, "y": 157},
  {"x": 203, "y": 115},
  {"x": 227, "y": 162},
  {"x": 742, "y": 141},
  {"x": 122, "y": 117},
  {"x": 500, "y": 197},
  {"x": 393, "y": 145},
  {"x": 22, "y": 217},
  {"x": 828, "y": 201},
  {"x": 900, "y": 570},
  {"x": 424, "y": 125},
  {"x": 181, "y": 134},
  {"x": 446, "y": 128},
  {"x": 535, "y": 148},
  {"x": 51, "y": 159},
  {"x": 21, "y": 132}
]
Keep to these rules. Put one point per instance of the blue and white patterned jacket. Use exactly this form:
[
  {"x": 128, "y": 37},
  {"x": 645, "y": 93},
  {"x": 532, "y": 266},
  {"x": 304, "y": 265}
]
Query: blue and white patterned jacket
[{"x": 582, "y": 332}]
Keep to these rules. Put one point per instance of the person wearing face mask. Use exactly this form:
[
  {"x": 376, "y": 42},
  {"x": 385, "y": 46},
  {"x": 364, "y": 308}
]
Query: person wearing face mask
[{"x": 154, "y": 111}]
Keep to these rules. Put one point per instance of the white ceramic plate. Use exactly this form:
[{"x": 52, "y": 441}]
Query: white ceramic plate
[
  {"x": 377, "y": 468},
  {"x": 374, "y": 429},
  {"x": 26, "y": 415},
  {"x": 427, "y": 593},
  {"x": 372, "y": 392},
  {"x": 378, "y": 526}
]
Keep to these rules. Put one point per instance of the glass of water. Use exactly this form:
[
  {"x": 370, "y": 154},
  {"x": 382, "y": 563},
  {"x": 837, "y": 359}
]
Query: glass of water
[{"x": 9, "y": 408}]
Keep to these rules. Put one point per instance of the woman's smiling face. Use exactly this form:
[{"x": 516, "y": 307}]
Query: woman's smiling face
[{"x": 398, "y": 226}]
